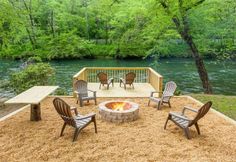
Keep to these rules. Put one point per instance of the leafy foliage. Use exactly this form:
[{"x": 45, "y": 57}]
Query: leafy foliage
[
  {"x": 34, "y": 74},
  {"x": 89, "y": 28}
]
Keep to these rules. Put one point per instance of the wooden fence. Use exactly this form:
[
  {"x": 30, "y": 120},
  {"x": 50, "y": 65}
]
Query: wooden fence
[{"x": 143, "y": 75}]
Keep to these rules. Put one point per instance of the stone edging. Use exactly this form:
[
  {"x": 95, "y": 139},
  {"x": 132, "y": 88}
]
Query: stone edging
[
  {"x": 212, "y": 110},
  {"x": 118, "y": 116}
]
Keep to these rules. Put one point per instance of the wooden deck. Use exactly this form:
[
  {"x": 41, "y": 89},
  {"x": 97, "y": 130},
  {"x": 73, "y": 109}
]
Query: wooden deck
[
  {"x": 147, "y": 80},
  {"x": 140, "y": 90}
]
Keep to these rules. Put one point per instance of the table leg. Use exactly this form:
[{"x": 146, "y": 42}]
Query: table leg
[{"x": 35, "y": 112}]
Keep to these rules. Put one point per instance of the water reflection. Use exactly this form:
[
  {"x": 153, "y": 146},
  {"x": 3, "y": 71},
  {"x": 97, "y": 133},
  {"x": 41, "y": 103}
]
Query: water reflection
[{"x": 182, "y": 71}]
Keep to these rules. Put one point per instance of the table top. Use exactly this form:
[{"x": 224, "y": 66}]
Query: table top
[{"x": 33, "y": 95}]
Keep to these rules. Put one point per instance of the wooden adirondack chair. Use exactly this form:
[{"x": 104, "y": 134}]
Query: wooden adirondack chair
[
  {"x": 169, "y": 91},
  {"x": 104, "y": 80},
  {"x": 184, "y": 122},
  {"x": 129, "y": 79},
  {"x": 82, "y": 92},
  {"x": 79, "y": 122}
]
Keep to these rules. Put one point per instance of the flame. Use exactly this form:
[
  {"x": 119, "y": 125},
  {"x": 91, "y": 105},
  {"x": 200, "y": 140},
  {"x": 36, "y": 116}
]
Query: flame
[{"x": 119, "y": 106}]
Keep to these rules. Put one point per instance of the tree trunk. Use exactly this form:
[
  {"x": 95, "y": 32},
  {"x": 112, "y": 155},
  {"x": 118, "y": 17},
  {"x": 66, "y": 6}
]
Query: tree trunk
[
  {"x": 200, "y": 66},
  {"x": 1, "y": 42},
  {"x": 186, "y": 36},
  {"x": 52, "y": 24},
  {"x": 182, "y": 26},
  {"x": 106, "y": 28},
  {"x": 31, "y": 19},
  {"x": 26, "y": 28},
  {"x": 30, "y": 38},
  {"x": 85, "y": 4}
]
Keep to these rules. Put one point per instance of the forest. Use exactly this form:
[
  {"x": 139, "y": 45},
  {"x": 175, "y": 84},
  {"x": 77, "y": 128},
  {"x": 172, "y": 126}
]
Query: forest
[{"x": 66, "y": 29}]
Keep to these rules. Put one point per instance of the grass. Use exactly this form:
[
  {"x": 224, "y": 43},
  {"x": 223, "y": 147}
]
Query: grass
[{"x": 224, "y": 104}]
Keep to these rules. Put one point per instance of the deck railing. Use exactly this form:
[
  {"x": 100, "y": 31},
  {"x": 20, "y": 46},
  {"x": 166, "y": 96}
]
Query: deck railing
[{"x": 143, "y": 75}]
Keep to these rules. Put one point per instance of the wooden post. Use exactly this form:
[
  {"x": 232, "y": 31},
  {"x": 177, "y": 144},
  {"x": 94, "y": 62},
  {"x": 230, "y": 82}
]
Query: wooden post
[
  {"x": 160, "y": 84},
  {"x": 35, "y": 112}
]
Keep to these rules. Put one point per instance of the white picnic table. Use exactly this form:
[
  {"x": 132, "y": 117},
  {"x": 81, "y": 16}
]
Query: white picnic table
[{"x": 33, "y": 96}]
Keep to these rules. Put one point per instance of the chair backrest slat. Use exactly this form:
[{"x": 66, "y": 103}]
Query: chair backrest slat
[
  {"x": 170, "y": 88},
  {"x": 129, "y": 78},
  {"x": 82, "y": 87},
  {"x": 64, "y": 111},
  {"x": 201, "y": 112},
  {"x": 102, "y": 77}
]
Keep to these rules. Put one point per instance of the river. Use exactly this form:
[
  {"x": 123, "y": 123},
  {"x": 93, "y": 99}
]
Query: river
[{"x": 183, "y": 71}]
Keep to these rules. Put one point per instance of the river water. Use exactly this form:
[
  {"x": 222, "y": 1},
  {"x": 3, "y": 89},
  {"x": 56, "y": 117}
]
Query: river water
[{"x": 183, "y": 71}]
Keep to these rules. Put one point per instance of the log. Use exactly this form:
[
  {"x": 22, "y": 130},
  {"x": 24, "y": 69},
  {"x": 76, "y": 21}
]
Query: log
[{"x": 35, "y": 112}]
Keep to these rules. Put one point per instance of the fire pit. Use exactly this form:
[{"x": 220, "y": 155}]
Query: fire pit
[{"x": 119, "y": 111}]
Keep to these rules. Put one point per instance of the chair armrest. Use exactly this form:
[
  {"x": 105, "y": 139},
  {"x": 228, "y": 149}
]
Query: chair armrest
[
  {"x": 79, "y": 95},
  {"x": 92, "y": 91},
  {"x": 168, "y": 95},
  {"x": 179, "y": 116},
  {"x": 122, "y": 80},
  {"x": 152, "y": 93},
  {"x": 74, "y": 109},
  {"x": 86, "y": 116},
  {"x": 189, "y": 108},
  {"x": 110, "y": 80},
  {"x": 76, "y": 92}
]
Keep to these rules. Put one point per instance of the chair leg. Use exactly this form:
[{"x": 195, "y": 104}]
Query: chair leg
[
  {"x": 168, "y": 118},
  {"x": 95, "y": 100},
  {"x": 159, "y": 106},
  {"x": 149, "y": 102},
  {"x": 81, "y": 103},
  {"x": 169, "y": 104},
  {"x": 125, "y": 86},
  {"x": 77, "y": 131},
  {"x": 197, "y": 127},
  {"x": 95, "y": 125},
  {"x": 63, "y": 128},
  {"x": 77, "y": 101},
  {"x": 186, "y": 132},
  {"x": 100, "y": 86}
]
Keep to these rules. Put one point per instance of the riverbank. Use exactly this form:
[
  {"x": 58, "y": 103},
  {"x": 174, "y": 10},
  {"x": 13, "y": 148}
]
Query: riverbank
[
  {"x": 223, "y": 104},
  {"x": 182, "y": 71}
]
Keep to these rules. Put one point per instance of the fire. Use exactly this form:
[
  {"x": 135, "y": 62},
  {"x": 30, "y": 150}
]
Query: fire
[{"x": 119, "y": 106}]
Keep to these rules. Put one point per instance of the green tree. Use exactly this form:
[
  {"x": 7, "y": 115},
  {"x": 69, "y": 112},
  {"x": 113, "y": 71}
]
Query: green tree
[{"x": 179, "y": 13}]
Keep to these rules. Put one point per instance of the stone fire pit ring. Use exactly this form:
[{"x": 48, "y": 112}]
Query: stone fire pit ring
[{"x": 119, "y": 116}]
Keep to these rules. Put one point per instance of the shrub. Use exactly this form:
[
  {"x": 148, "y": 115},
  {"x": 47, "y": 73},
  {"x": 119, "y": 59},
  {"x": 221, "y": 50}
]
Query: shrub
[
  {"x": 61, "y": 92},
  {"x": 32, "y": 75}
]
